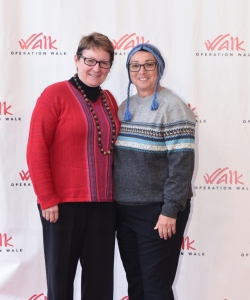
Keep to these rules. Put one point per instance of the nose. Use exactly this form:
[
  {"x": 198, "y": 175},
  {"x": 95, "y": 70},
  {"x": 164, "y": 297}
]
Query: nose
[
  {"x": 142, "y": 70},
  {"x": 96, "y": 67}
]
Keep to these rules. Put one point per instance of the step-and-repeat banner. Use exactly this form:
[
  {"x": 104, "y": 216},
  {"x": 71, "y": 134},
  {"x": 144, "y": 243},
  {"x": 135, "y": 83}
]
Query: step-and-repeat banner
[{"x": 206, "y": 45}]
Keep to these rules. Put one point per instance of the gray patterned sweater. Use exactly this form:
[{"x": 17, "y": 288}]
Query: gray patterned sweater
[{"x": 154, "y": 153}]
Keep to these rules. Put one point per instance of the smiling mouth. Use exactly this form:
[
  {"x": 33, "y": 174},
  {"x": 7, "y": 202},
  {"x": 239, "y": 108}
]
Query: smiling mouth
[
  {"x": 94, "y": 75},
  {"x": 143, "y": 79}
]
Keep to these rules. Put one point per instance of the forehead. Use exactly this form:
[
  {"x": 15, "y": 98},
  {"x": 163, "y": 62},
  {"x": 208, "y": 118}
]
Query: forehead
[
  {"x": 97, "y": 53},
  {"x": 142, "y": 56}
]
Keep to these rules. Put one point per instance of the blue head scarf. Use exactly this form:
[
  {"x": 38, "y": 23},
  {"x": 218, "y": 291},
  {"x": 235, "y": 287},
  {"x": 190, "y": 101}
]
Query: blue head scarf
[{"x": 161, "y": 66}]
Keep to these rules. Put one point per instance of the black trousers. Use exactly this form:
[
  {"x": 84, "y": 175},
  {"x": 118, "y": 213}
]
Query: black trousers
[
  {"x": 150, "y": 262},
  {"x": 85, "y": 232}
]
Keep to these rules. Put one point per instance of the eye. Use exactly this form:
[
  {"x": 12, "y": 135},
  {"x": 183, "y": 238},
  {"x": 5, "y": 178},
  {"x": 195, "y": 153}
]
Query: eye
[
  {"x": 90, "y": 61},
  {"x": 149, "y": 65},
  {"x": 134, "y": 66},
  {"x": 105, "y": 63}
]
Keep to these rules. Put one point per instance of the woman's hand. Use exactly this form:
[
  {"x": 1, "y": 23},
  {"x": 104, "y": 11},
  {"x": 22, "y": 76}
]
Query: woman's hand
[
  {"x": 51, "y": 214},
  {"x": 166, "y": 227}
]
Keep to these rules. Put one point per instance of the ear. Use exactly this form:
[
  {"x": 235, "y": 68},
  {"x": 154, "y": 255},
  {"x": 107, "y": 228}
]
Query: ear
[{"x": 76, "y": 60}]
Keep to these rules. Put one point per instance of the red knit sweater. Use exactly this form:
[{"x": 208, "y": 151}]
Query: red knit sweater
[{"x": 64, "y": 160}]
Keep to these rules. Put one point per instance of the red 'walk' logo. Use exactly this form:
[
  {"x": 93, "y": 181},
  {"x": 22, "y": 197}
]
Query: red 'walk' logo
[
  {"x": 4, "y": 240},
  {"x": 223, "y": 175},
  {"x": 39, "y": 40},
  {"x": 186, "y": 244},
  {"x": 4, "y": 109},
  {"x": 225, "y": 42},
  {"x": 24, "y": 175},
  {"x": 128, "y": 41}
]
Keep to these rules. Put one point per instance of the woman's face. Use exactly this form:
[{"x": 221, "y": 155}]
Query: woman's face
[
  {"x": 92, "y": 75},
  {"x": 145, "y": 81}
]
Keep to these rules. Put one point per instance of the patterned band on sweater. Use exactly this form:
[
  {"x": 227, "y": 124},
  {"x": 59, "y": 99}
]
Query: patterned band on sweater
[{"x": 154, "y": 153}]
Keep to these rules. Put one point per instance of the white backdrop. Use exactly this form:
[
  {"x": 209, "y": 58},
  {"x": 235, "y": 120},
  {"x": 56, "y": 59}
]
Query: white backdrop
[{"x": 206, "y": 45}]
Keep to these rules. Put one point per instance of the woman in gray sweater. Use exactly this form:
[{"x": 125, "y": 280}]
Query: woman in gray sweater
[{"x": 153, "y": 168}]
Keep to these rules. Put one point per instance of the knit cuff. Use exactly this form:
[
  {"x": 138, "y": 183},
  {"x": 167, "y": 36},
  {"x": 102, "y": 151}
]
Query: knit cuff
[
  {"x": 169, "y": 210},
  {"x": 54, "y": 200}
]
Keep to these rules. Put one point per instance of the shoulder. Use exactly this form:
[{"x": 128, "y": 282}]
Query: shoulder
[
  {"x": 55, "y": 90},
  {"x": 111, "y": 99},
  {"x": 169, "y": 98},
  {"x": 54, "y": 93},
  {"x": 121, "y": 110},
  {"x": 123, "y": 105},
  {"x": 56, "y": 87},
  {"x": 109, "y": 94},
  {"x": 174, "y": 106}
]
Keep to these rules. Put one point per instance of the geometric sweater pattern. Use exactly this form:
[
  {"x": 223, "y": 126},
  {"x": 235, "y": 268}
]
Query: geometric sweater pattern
[{"x": 154, "y": 153}]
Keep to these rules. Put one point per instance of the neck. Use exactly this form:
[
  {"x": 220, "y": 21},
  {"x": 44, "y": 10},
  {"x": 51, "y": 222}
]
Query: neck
[
  {"x": 144, "y": 94},
  {"x": 92, "y": 93}
]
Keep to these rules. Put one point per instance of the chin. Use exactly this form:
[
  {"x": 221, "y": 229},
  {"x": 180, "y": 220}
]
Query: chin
[{"x": 93, "y": 84}]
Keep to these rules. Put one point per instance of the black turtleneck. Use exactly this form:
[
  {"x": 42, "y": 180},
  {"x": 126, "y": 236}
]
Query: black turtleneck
[{"x": 92, "y": 93}]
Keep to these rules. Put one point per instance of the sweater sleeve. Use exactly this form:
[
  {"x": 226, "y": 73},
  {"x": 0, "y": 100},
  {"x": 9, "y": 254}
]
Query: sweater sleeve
[
  {"x": 178, "y": 185},
  {"x": 43, "y": 125},
  {"x": 180, "y": 155}
]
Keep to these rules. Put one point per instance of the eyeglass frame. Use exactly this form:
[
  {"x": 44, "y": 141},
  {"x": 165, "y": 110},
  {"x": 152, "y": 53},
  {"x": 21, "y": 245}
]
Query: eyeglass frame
[
  {"x": 96, "y": 61},
  {"x": 154, "y": 62}
]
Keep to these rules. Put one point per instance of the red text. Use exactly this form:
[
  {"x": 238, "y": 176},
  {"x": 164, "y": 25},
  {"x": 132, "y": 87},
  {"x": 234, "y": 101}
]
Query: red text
[
  {"x": 186, "y": 244},
  {"x": 222, "y": 175},
  {"x": 4, "y": 109},
  {"x": 24, "y": 175},
  {"x": 128, "y": 41},
  {"x": 4, "y": 240},
  {"x": 224, "y": 42},
  {"x": 38, "y": 41}
]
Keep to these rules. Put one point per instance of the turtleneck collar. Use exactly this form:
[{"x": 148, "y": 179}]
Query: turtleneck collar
[{"x": 92, "y": 93}]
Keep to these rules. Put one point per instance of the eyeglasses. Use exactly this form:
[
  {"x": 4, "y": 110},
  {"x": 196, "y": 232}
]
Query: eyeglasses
[
  {"x": 148, "y": 66},
  {"x": 92, "y": 62}
]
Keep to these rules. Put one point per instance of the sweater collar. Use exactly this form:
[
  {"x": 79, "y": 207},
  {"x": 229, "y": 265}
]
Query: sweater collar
[{"x": 92, "y": 93}]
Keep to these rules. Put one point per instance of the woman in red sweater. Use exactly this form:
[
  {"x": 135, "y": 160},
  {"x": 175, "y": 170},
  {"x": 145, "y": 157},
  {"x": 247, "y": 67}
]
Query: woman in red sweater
[{"x": 70, "y": 156}]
